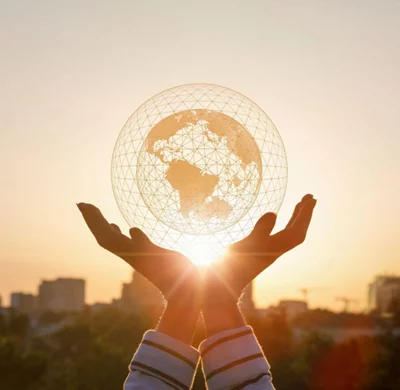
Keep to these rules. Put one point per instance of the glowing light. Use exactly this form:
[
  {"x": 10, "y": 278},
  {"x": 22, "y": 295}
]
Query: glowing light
[{"x": 202, "y": 254}]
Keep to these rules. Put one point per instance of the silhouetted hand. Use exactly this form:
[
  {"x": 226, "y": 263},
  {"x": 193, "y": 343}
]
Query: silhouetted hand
[
  {"x": 171, "y": 272},
  {"x": 247, "y": 258}
]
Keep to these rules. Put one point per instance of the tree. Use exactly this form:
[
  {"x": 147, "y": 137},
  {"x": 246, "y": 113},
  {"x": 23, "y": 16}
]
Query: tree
[{"x": 19, "y": 369}]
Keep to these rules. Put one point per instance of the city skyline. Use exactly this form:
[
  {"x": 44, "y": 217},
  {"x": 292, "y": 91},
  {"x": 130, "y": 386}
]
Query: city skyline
[
  {"x": 72, "y": 73},
  {"x": 382, "y": 292}
]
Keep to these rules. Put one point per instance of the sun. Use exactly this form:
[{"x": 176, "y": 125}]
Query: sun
[{"x": 202, "y": 254}]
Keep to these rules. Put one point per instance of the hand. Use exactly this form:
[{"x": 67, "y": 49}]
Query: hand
[
  {"x": 247, "y": 258},
  {"x": 171, "y": 272}
]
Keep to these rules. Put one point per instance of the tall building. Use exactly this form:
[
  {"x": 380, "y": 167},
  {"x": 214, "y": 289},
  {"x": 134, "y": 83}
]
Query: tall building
[
  {"x": 293, "y": 307},
  {"x": 24, "y": 303},
  {"x": 384, "y": 294},
  {"x": 141, "y": 293},
  {"x": 62, "y": 294}
]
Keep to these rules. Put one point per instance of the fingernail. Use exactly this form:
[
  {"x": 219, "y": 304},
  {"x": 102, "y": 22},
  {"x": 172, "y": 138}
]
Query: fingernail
[
  {"x": 307, "y": 197},
  {"x": 310, "y": 202}
]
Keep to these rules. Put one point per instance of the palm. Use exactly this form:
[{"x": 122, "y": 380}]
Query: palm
[
  {"x": 167, "y": 270},
  {"x": 249, "y": 257}
]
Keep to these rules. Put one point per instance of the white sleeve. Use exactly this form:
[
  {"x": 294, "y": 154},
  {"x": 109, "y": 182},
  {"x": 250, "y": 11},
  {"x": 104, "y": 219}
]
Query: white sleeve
[
  {"x": 136, "y": 380},
  {"x": 234, "y": 360},
  {"x": 162, "y": 363}
]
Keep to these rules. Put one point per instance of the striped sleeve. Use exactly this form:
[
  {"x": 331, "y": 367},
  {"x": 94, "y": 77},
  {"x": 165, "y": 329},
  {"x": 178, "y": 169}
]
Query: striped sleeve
[
  {"x": 234, "y": 360},
  {"x": 162, "y": 362}
]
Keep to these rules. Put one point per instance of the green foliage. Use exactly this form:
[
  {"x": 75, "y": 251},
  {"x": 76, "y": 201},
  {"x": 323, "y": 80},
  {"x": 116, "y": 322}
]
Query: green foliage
[
  {"x": 93, "y": 353},
  {"x": 385, "y": 367},
  {"x": 82, "y": 360},
  {"x": 19, "y": 369}
]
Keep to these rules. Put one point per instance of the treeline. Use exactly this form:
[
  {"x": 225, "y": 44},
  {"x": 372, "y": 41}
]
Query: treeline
[{"x": 93, "y": 352}]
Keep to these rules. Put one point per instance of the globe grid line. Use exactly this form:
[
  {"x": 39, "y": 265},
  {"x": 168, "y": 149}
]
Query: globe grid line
[{"x": 205, "y": 96}]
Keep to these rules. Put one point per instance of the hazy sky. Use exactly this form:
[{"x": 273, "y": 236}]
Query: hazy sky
[{"x": 326, "y": 72}]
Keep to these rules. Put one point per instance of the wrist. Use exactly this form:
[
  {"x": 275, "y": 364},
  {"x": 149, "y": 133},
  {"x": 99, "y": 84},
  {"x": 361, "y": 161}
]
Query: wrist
[
  {"x": 178, "y": 325},
  {"x": 220, "y": 316},
  {"x": 185, "y": 293},
  {"x": 189, "y": 300},
  {"x": 179, "y": 319},
  {"x": 221, "y": 285},
  {"x": 186, "y": 308}
]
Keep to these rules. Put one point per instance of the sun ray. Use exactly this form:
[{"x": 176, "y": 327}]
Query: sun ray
[{"x": 202, "y": 254}]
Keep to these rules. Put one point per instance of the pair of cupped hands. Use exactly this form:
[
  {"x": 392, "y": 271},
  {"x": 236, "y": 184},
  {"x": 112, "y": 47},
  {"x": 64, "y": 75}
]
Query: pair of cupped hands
[{"x": 179, "y": 280}]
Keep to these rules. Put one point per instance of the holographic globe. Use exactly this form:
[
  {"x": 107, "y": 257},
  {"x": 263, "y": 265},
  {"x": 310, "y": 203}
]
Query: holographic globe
[{"x": 195, "y": 166}]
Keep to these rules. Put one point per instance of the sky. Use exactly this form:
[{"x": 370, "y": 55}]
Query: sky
[{"x": 326, "y": 72}]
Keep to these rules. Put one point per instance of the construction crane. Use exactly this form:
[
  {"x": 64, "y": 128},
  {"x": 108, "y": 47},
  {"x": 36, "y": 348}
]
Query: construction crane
[
  {"x": 306, "y": 290},
  {"x": 346, "y": 302}
]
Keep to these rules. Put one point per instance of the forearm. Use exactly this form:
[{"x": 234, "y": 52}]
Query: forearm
[
  {"x": 231, "y": 355},
  {"x": 179, "y": 321},
  {"x": 165, "y": 358},
  {"x": 162, "y": 362},
  {"x": 233, "y": 359},
  {"x": 221, "y": 316}
]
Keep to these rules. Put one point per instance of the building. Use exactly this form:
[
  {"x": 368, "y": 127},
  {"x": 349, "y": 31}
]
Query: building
[
  {"x": 384, "y": 294},
  {"x": 293, "y": 308},
  {"x": 100, "y": 306},
  {"x": 22, "y": 302},
  {"x": 62, "y": 294},
  {"x": 140, "y": 293}
]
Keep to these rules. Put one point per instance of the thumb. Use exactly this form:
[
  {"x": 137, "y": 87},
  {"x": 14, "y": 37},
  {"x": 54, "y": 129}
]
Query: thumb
[{"x": 265, "y": 225}]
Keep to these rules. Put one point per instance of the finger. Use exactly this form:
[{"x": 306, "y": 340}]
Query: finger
[
  {"x": 306, "y": 197},
  {"x": 293, "y": 236},
  {"x": 115, "y": 227},
  {"x": 138, "y": 236},
  {"x": 265, "y": 225},
  {"x": 294, "y": 215},
  {"x": 297, "y": 209},
  {"x": 302, "y": 222},
  {"x": 97, "y": 224}
]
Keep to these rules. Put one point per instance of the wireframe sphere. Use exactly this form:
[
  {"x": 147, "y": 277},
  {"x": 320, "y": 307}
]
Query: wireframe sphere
[{"x": 197, "y": 165}]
